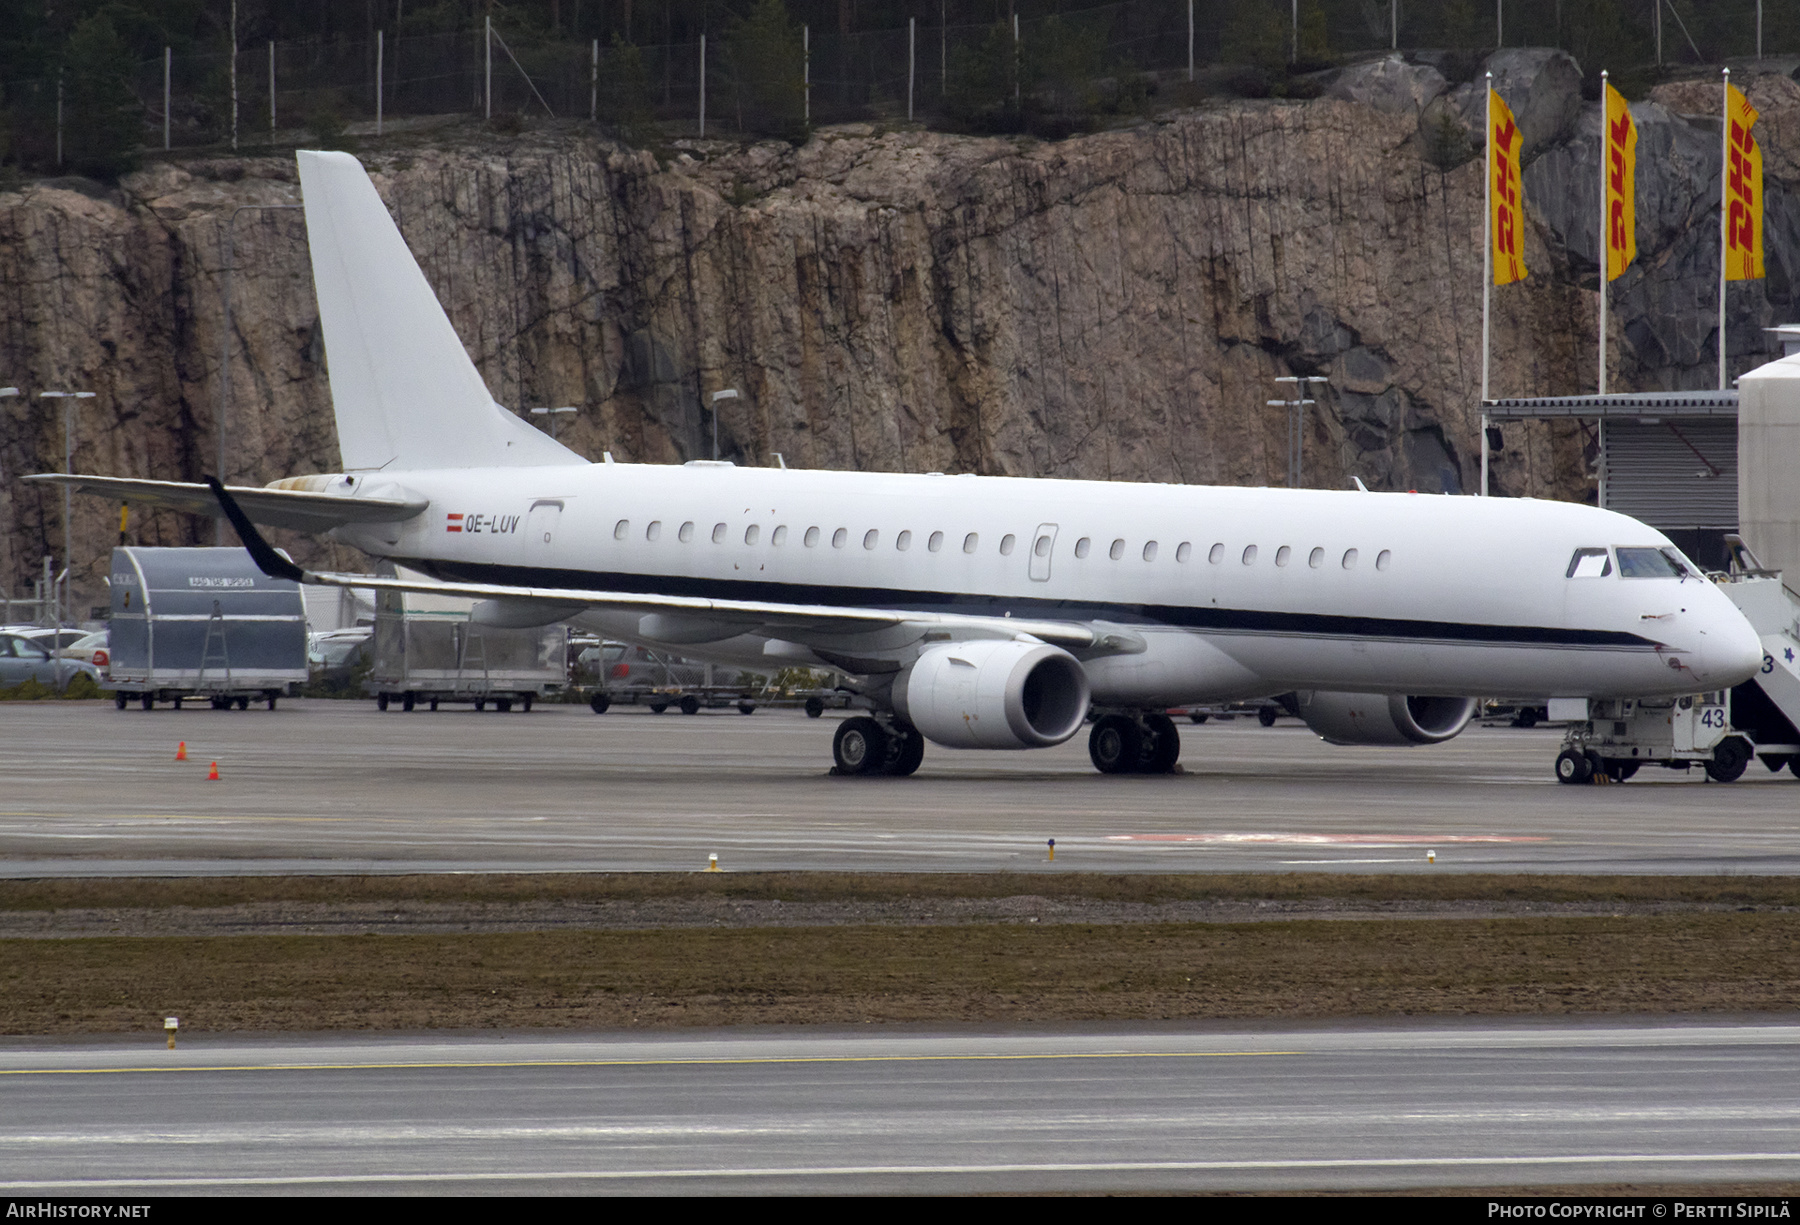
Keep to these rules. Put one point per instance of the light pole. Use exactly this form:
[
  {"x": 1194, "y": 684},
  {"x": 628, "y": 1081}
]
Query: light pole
[
  {"x": 68, "y": 416},
  {"x": 553, "y": 414},
  {"x": 730, "y": 393},
  {"x": 225, "y": 344},
  {"x": 1297, "y": 421}
]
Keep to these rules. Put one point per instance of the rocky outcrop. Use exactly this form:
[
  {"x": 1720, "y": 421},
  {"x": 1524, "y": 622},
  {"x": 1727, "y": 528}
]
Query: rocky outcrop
[{"x": 1114, "y": 305}]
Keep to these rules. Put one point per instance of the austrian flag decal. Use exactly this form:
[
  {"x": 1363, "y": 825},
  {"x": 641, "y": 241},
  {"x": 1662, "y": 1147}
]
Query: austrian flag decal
[{"x": 454, "y": 524}]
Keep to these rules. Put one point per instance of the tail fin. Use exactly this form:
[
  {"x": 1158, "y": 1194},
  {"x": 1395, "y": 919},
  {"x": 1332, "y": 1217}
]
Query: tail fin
[{"x": 405, "y": 393}]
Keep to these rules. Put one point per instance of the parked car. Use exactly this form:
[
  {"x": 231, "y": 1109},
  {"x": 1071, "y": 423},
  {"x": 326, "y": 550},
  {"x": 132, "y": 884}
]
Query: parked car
[
  {"x": 91, "y": 649},
  {"x": 22, "y": 660}
]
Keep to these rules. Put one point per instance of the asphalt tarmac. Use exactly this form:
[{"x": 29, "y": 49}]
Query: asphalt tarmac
[
  {"x": 1329, "y": 1107},
  {"x": 336, "y": 787}
]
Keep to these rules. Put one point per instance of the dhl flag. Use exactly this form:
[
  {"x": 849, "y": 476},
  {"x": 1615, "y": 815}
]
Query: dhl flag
[
  {"x": 1620, "y": 210},
  {"x": 1507, "y": 198},
  {"x": 1743, "y": 219}
]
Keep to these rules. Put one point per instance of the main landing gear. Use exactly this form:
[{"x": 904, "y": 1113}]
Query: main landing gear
[
  {"x": 1145, "y": 744},
  {"x": 865, "y": 746}
]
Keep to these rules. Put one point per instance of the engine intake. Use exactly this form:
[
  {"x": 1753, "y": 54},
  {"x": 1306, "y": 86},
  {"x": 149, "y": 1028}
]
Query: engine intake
[
  {"x": 993, "y": 694},
  {"x": 1380, "y": 718}
]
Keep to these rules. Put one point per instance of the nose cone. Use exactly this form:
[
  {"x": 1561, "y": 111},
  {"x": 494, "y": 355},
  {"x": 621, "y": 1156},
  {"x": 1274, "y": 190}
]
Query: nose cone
[{"x": 1730, "y": 651}]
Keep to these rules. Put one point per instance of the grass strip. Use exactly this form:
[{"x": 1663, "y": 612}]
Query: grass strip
[
  {"x": 1701, "y": 963},
  {"x": 103, "y": 892}
]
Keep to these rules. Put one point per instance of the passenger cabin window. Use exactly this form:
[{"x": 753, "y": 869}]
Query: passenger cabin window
[
  {"x": 1083, "y": 546},
  {"x": 1117, "y": 551},
  {"x": 811, "y": 538},
  {"x": 936, "y": 543},
  {"x": 1349, "y": 559},
  {"x": 871, "y": 538},
  {"x": 718, "y": 533},
  {"x": 1651, "y": 563},
  {"x": 654, "y": 531},
  {"x": 621, "y": 529},
  {"x": 970, "y": 541},
  {"x": 779, "y": 536},
  {"x": 903, "y": 541},
  {"x": 1217, "y": 554},
  {"x": 1006, "y": 544},
  {"x": 839, "y": 537},
  {"x": 1042, "y": 547},
  {"x": 751, "y": 533},
  {"x": 1283, "y": 555},
  {"x": 1316, "y": 558},
  {"x": 1150, "y": 550},
  {"x": 1384, "y": 559},
  {"x": 1249, "y": 554},
  {"x": 687, "y": 532},
  {"x": 1589, "y": 563},
  {"x": 1183, "y": 551}
]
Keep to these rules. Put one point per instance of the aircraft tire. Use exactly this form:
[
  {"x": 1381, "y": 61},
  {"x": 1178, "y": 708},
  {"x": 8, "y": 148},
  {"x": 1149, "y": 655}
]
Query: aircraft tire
[
  {"x": 815, "y": 707},
  {"x": 599, "y": 703},
  {"x": 1573, "y": 768},
  {"x": 859, "y": 746},
  {"x": 1162, "y": 747},
  {"x": 906, "y": 750},
  {"x": 1729, "y": 760},
  {"x": 1267, "y": 716},
  {"x": 1116, "y": 745},
  {"x": 690, "y": 705}
]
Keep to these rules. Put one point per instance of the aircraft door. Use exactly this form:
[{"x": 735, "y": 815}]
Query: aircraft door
[
  {"x": 1043, "y": 544},
  {"x": 541, "y": 526}
]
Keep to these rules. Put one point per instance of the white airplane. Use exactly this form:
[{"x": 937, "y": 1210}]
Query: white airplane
[{"x": 974, "y": 612}]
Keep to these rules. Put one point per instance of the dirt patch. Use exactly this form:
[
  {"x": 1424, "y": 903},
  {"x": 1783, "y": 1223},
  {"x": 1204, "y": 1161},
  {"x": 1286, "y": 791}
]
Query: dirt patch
[{"x": 860, "y": 973}]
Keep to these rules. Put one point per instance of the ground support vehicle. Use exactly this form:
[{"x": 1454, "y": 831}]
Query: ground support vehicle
[
  {"x": 428, "y": 650},
  {"x": 638, "y": 676},
  {"x": 202, "y": 623},
  {"x": 1721, "y": 732}
]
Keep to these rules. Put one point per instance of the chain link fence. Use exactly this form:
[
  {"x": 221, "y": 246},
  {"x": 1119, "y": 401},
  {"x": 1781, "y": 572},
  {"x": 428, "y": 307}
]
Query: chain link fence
[{"x": 1051, "y": 73}]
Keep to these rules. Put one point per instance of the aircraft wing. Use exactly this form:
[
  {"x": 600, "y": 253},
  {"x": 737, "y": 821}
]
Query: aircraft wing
[
  {"x": 544, "y": 605},
  {"x": 302, "y": 509}
]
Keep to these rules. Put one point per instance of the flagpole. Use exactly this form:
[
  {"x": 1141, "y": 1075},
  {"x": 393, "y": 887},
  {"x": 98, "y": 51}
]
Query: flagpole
[
  {"x": 1487, "y": 271},
  {"x": 1605, "y": 247},
  {"x": 1724, "y": 176}
]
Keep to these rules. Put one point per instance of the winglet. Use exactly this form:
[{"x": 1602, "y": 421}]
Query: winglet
[{"x": 267, "y": 559}]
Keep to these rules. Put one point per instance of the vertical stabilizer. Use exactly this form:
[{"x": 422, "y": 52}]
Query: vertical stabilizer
[{"x": 405, "y": 393}]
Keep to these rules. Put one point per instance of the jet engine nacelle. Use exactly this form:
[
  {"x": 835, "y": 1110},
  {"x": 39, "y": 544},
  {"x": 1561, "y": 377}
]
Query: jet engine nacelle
[
  {"x": 993, "y": 694},
  {"x": 1380, "y": 718}
]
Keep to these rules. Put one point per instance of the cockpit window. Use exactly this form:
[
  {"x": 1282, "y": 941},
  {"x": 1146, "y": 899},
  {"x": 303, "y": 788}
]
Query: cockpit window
[
  {"x": 1651, "y": 563},
  {"x": 1589, "y": 563}
]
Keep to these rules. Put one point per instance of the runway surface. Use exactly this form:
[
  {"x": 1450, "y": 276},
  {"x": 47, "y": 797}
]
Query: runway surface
[
  {"x": 1362, "y": 1107},
  {"x": 333, "y": 787}
]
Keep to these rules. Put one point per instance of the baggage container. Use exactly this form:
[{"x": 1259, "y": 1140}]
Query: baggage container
[{"x": 202, "y": 623}]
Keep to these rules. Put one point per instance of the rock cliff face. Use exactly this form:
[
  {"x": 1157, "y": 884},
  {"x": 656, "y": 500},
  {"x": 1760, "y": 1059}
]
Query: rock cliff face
[{"x": 1112, "y": 306}]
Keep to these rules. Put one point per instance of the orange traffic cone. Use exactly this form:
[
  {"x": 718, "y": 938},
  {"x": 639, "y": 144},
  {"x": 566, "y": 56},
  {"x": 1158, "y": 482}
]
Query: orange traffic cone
[
  {"x": 181, "y": 751},
  {"x": 214, "y": 776}
]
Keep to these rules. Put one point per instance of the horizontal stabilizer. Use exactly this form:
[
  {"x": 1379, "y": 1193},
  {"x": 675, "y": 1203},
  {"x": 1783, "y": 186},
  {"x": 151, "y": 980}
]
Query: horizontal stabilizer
[{"x": 304, "y": 510}]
